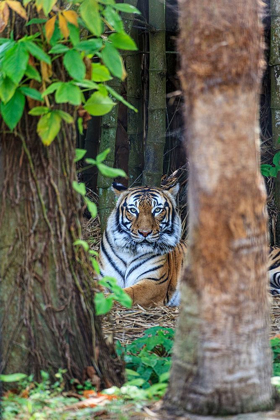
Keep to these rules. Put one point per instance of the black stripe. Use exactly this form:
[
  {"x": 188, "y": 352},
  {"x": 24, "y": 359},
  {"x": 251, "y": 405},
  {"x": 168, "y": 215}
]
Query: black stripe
[
  {"x": 108, "y": 240},
  {"x": 138, "y": 265},
  {"x": 151, "y": 270},
  {"x": 110, "y": 260}
]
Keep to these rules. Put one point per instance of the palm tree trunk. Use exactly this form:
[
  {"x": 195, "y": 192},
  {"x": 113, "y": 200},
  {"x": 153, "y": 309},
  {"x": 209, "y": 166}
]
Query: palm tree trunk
[{"x": 221, "y": 358}]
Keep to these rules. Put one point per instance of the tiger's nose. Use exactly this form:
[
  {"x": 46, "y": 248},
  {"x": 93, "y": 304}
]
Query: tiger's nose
[{"x": 144, "y": 233}]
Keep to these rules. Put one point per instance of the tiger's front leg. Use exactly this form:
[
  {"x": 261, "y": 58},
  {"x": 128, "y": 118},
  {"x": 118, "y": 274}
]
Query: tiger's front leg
[{"x": 147, "y": 294}]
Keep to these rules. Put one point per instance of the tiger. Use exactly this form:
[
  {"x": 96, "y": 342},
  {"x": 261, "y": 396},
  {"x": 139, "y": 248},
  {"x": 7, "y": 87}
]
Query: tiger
[
  {"x": 274, "y": 271},
  {"x": 141, "y": 246}
]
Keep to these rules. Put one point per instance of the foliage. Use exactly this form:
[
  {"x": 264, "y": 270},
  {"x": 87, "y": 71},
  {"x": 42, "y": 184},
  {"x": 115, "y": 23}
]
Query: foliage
[
  {"x": 272, "y": 170},
  {"x": 72, "y": 39},
  {"x": 147, "y": 361}
]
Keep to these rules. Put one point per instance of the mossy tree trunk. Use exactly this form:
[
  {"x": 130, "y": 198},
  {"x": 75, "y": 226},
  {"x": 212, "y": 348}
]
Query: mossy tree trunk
[
  {"x": 134, "y": 120},
  {"x": 109, "y": 125},
  {"x": 274, "y": 62},
  {"x": 221, "y": 357},
  {"x": 155, "y": 141}
]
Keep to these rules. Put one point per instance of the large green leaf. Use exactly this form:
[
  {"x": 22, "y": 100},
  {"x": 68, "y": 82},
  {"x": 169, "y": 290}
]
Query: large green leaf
[
  {"x": 126, "y": 8},
  {"x": 114, "y": 19},
  {"x": 110, "y": 172},
  {"x": 65, "y": 116},
  {"x": 13, "y": 377},
  {"x": 32, "y": 93},
  {"x": 15, "y": 62},
  {"x": 68, "y": 92},
  {"x": 32, "y": 73},
  {"x": 99, "y": 104},
  {"x": 74, "y": 34},
  {"x": 112, "y": 60},
  {"x": 39, "y": 110},
  {"x": 52, "y": 88},
  {"x": 123, "y": 41},
  {"x": 120, "y": 98},
  {"x": 90, "y": 15},
  {"x": 59, "y": 49},
  {"x": 7, "y": 89},
  {"x": 37, "y": 52},
  {"x": 100, "y": 73},
  {"x": 48, "y": 127},
  {"x": 102, "y": 304},
  {"x": 90, "y": 46},
  {"x": 12, "y": 111},
  {"x": 74, "y": 64}
]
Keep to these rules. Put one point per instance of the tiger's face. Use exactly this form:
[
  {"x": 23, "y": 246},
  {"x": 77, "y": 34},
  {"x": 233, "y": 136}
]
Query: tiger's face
[{"x": 146, "y": 220}]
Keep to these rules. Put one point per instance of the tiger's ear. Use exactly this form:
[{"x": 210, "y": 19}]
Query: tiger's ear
[
  {"x": 118, "y": 188},
  {"x": 172, "y": 189}
]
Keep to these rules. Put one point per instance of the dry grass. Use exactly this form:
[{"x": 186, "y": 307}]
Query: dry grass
[{"x": 125, "y": 325}]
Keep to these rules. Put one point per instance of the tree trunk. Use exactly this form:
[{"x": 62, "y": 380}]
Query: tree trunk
[
  {"x": 155, "y": 141},
  {"x": 274, "y": 62},
  {"x": 221, "y": 358},
  {"x": 134, "y": 119},
  {"x": 109, "y": 127},
  {"x": 46, "y": 297}
]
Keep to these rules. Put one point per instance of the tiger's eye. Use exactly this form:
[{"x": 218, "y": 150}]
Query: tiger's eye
[
  {"x": 157, "y": 210},
  {"x": 132, "y": 210}
]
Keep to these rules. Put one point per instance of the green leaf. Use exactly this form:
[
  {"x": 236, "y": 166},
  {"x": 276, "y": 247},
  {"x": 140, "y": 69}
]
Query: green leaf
[
  {"x": 81, "y": 242},
  {"x": 100, "y": 73},
  {"x": 65, "y": 116},
  {"x": 90, "y": 161},
  {"x": 102, "y": 156},
  {"x": 273, "y": 172},
  {"x": 123, "y": 41},
  {"x": 87, "y": 84},
  {"x": 79, "y": 187},
  {"x": 79, "y": 154},
  {"x": 110, "y": 172},
  {"x": 113, "y": 18},
  {"x": 7, "y": 89},
  {"x": 80, "y": 125},
  {"x": 110, "y": 2},
  {"x": 102, "y": 304},
  {"x": 39, "y": 110},
  {"x": 112, "y": 60},
  {"x": 32, "y": 73},
  {"x": 99, "y": 104},
  {"x": 92, "y": 208},
  {"x": 120, "y": 98},
  {"x": 32, "y": 93},
  {"x": 48, "y": 127},
  {"x": 90, "y": 14},
  {"x": 90, "y": 46},
  {"x": 36, "y": 20},
  {"x": 37, "y": 52},
  {"x": 59, "y": 49},
  {"x": 15, "y": 62},
  {"x": 74, "y": 64},
  {"x": 123, "y": 298},
  {"x": 95, "y": 265},
  {"x": 126, "y": 8},
  {"x": 12, "y": 111},
  {"x": 47, "y": 6},
  {"x": 68, "y": 92},
  {"x": 276, "y": 159},
  {"x": 164, "y": 377},
  {"x": 13, "y": 377},
  {"x": 74, "y": 34},
  {"x": 131, "y": 372},
  {"x": 52, "y": 88},
  {"x": 265, "y": 169}
]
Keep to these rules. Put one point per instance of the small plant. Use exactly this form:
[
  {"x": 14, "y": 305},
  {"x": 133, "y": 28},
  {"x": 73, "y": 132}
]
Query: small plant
[
  {"x": 271, "y": 170},
  {"x": 148, "y": 361}
]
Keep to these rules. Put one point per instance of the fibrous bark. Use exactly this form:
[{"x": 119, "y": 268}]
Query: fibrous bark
[
  {"x": 46, "y": 283},
  {"x": 221, "y": 359}
]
